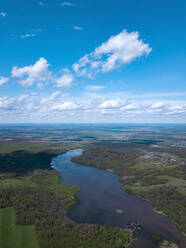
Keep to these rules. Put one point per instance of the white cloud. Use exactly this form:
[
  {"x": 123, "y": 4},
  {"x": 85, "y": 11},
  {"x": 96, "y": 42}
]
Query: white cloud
[
  {"x": 112, "y": 103},
  {"x": 118, "y": 51},
  {"x": 40, "y": 86},
  {"x": 107, "y": 112},
  {"x": 3, "y": 14},
  {"x": 31, "y": 107},
  {"x": 157, "y": 105},
  {"x": 77, "y": 28},
  {"x": 159, "y": 95},
  {"x": 32, "y": 74},
  {"x": 23, "y": 97},
  {"x": 65, "y": 106},
  {"x": 31, "y": 33},
  {"x": 7, "y": 103},
  {"x": 129, "y": 106},
  {"x": 176, "y": 107},
  {"x": 3, "y": 80},
  {"x": 67, "y": 4},
  {"x": 27, "y": 36},
  {"x": 43, "y": 4},
  {"x": 94, "y": 87},
  {"x": 39, "y": 74},
  {"x": 54, "y": 95},
  {"x": 65, "y": 80},
  {"x": 80, "y": 67},
  {"x": 51, "y": 98}
]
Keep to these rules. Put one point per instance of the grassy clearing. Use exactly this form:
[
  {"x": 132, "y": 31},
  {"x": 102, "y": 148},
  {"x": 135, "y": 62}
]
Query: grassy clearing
[
  {"x": 16, "y": 236},
  {"x": 17, "y": 182},
  {"x": 39, "y": 200},
  {"x": 155, "y": 165},
  {"x": 50, "y": 180},
  {"x": 45, "y": 179}
]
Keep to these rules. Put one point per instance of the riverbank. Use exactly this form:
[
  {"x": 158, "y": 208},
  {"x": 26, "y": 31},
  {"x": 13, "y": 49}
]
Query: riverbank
[
  {"x": 158, "y": 181},
  {"x": 49, "y": 155},
  {"x": 101, "y": 195},
  {"x": 39, "y": 200}
]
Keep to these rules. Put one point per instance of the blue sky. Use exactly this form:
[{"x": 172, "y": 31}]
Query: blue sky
[{"x": 92, "y": 61}]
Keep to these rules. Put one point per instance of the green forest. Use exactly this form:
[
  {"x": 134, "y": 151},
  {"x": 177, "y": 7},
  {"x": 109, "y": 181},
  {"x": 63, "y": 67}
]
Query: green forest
[{"x": 34, "y": 205}]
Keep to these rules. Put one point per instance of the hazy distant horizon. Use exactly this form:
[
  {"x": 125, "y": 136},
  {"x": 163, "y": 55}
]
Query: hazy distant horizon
[{"x": 93, "y": 123}]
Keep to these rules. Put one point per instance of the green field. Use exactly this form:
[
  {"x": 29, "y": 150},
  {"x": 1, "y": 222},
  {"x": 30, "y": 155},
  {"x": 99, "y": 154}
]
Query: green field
[
  {"x": 40, "y": 201},
  {"x": 16, "y": 236}
]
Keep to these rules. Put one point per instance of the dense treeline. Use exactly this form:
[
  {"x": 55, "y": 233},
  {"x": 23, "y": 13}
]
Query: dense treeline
[
  {"x": 109, "y": 156},
  {"x": 44, "y": 203},
  {"x": 22, "y": 161},
  {"x": 168, "y": 199},
  {"x": 157, "y": 184}
]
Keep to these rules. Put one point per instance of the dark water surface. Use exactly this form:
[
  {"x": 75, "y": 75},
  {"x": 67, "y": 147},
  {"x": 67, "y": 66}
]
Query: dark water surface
[{"x": 99, "y": 197}]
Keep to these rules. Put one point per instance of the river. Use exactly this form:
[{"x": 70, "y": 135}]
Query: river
[{"x": 101, "y": 200}]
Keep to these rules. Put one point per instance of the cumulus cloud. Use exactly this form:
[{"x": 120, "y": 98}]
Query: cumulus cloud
[
  {"x": 129, "y": 106},
  {"x": 32, "y": 74},
  {"x": 112, "y": 103},
  {"x": 118, "y": 51},
  {"x": 3, "y": 14},
  {"x": 157, "y": 105},
  {"x": 54, "y": 95},
  {"x": 3, "y": 80},
  {"x": 23, "y": 97},
  {"x": 65, "y": 106},
  {"x": 176, "y": 109},
  {"x": 7, "y": 103},
  {"x": 51, "y": 98},
  {"x": 117, "y": 109},
  {"x": 40, "y": 75},
  {"x": 65, "y": 80}
]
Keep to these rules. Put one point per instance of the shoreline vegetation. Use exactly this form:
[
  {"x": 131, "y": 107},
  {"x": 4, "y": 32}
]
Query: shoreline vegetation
[
  {"x": 153, "y": 171},
  {"x": 160, "y": 183},
  {"x": 40, "y": 201}
]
